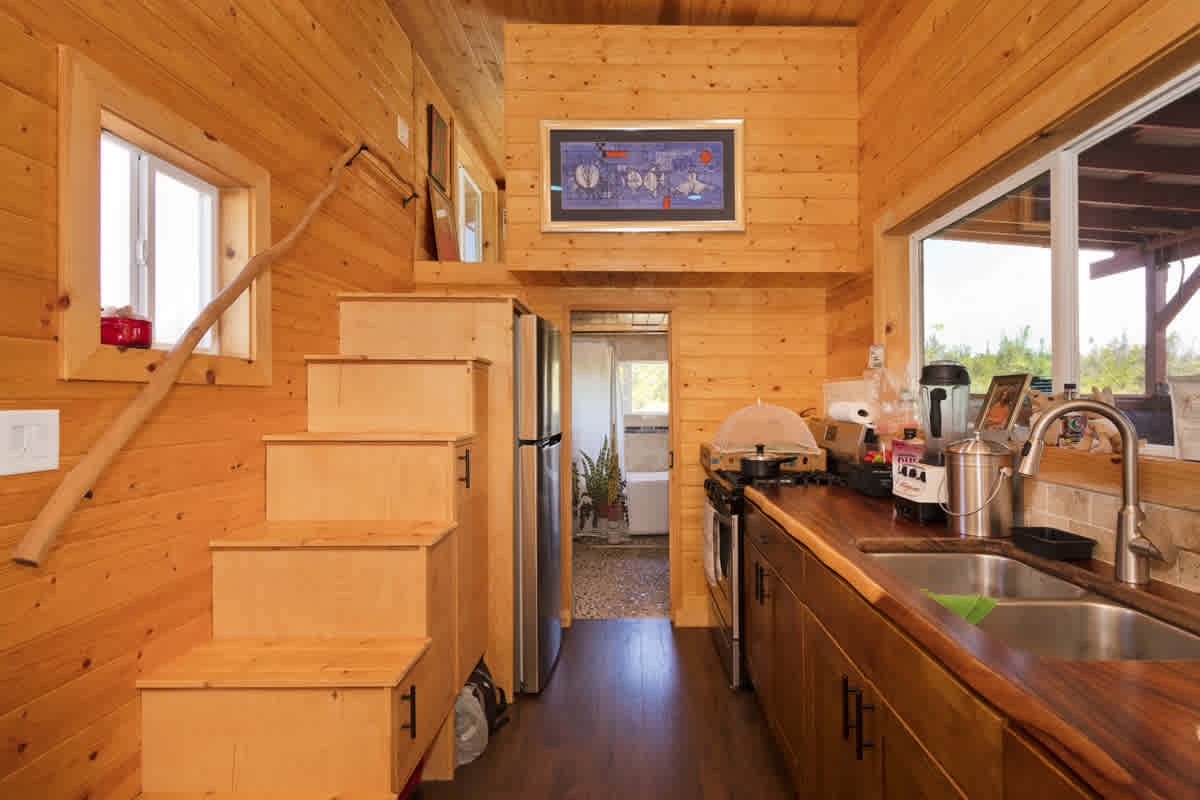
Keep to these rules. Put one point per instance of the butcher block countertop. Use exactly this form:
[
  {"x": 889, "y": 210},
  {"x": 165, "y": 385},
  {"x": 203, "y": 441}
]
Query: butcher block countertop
[{"x": 1127, "y": 728}]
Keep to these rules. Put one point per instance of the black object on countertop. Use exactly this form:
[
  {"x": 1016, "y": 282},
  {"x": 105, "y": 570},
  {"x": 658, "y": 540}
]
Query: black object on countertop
[{"x": 1053, "y": 544}]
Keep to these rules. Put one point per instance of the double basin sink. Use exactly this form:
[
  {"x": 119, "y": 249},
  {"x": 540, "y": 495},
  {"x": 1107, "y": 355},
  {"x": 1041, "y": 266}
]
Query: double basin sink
[{"x": 1042, "y": 614}]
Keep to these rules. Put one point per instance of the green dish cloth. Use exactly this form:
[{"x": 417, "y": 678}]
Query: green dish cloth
[{"x": 971, "y": 607}]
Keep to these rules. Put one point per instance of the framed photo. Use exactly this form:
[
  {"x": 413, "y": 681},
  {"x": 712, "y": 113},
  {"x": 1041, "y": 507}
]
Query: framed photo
[
  {"x": 439, "y": 150},
  {"x": 444, "y": 235},
  {"x": 1003, "y": 402},
  {"x": 642, "y": 176}
]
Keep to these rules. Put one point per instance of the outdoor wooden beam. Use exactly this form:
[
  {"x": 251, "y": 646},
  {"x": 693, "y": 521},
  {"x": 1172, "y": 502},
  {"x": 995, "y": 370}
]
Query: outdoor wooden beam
[
  {"x": 1166, "y": 196},
  {"x": 1183, "y": 245},
  {"x": 1125, "y": 154},
  {"x": 1186, "y": 292},
  {"x": 1181, "y": 115}
]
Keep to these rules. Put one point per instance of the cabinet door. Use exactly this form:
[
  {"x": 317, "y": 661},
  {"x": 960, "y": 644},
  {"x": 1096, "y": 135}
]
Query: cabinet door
[
  {"x": 757, "y": 616},
  {"x": 789, "y": 701},
  {"x": 910, "y": 773},
  {"x": 843, "y": 709}
]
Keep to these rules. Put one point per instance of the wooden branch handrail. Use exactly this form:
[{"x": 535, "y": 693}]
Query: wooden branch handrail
[{"x": 79, "y": 481}]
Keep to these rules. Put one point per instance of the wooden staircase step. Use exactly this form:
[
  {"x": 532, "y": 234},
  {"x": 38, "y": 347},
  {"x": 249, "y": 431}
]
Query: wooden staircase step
[
  {"x": 291, "y": 663},
  {"x": 394, "y": 358},
  {"x": 381, "y": 437},
  {"x": 338, "y": 535}
]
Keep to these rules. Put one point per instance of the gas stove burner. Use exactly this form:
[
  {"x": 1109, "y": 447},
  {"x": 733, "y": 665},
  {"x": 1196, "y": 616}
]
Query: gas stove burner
[{"x": 811, "y": 478}]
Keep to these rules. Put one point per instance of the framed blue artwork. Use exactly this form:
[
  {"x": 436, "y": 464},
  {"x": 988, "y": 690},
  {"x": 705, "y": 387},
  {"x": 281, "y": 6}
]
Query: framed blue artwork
[{"x": 642, "y": 176}]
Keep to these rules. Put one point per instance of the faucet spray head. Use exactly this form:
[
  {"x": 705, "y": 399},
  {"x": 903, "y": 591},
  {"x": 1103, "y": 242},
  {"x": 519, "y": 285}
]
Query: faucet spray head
[{"x": 1031, "y": 457}]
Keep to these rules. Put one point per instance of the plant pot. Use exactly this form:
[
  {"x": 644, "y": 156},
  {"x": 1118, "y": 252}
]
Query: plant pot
[
  {"x": 614, "y": 512},
  {"x": 600, "y": 508}
]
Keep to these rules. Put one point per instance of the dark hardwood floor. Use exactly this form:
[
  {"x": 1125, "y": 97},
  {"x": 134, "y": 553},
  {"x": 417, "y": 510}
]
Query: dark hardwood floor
[{"x": 635, "y": 709}]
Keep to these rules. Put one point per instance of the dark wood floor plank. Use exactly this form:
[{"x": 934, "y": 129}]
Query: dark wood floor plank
[{"x": 635, "y": 710}]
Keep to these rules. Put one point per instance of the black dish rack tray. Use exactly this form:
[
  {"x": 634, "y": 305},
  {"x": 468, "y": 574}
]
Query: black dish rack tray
[{"x": 1053, "y": 544}]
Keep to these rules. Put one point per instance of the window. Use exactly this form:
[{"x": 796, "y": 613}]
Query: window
[
  {"x": 157, "y": 240},
  {"x": 156, "y": 214},
  {"x": 650, "y": 387},
  {"x": 470, "y": 217},
  {"x": 987, "y": 287},
  {"x": 1094, "y": 283}
]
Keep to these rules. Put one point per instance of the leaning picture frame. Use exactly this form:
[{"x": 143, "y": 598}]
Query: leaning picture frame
[
  {"x": 445, "y": 234},
  {"x": 438, "y": 140},
  {"x": 604, "y": 175}
]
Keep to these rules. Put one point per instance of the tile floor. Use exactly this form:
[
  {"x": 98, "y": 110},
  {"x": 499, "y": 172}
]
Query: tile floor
[{"x": 621, "y": 581}]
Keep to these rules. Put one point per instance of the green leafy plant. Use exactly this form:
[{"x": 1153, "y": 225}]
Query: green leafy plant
[{"x": 596, "y": 474}]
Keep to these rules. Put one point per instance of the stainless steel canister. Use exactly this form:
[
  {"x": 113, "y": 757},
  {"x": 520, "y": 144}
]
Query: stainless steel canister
[{"x": 979, "y": 482}]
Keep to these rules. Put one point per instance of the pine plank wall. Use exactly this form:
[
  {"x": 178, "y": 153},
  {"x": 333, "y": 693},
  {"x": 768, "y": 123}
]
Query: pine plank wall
[
  {"x": 944, "y": 89},
  {"x": 288, "y": 83}
]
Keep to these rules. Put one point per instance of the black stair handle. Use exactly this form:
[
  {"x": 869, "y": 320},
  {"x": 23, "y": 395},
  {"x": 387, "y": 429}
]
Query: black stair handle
[
  {"x": 411, "y": 725},
  {"x": 466, "y": 459}
]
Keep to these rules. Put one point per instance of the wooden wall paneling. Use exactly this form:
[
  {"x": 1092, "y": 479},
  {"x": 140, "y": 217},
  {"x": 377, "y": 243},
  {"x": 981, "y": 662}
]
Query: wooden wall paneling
[
  {"x": 1013, "y": 85},
  {"x": 131, "y": 571},
  {"x": 801, "y": 191}
]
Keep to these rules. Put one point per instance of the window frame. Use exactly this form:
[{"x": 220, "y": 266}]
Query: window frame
[
  {"x": 1062, "y": 165},
  {"x": 92, "y": 100}
]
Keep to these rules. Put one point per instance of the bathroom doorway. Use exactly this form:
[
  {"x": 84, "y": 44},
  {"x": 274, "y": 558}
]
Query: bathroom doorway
[{"x": 620, "y": 455}]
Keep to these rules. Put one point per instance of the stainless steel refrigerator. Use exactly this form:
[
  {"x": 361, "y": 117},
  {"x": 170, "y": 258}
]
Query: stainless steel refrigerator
[{"x": 538, "y": 523}]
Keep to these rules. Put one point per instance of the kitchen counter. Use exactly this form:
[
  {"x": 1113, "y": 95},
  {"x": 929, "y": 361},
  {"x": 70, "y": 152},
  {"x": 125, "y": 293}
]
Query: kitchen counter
[{"x": 1127, "y": 728}]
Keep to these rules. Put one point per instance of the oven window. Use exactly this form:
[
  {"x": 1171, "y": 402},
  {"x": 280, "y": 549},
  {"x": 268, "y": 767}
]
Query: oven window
[{"x": 724, "y": 544}]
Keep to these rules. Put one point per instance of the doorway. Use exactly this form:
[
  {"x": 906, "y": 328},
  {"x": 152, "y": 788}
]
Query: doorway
[{"x": 620, "y": 456}]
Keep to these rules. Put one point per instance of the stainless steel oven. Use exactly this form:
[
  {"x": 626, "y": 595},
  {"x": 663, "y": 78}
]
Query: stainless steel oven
[{"x": 723, "y": 571}]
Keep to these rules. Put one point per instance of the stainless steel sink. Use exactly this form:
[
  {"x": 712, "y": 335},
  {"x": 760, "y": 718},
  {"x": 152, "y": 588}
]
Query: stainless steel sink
[
  {"x": 977, "y": 573},
  {"x": 1090, "y": 630}
]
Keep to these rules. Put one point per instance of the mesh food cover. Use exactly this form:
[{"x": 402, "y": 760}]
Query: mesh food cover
[{"x": 780, "y": 429}]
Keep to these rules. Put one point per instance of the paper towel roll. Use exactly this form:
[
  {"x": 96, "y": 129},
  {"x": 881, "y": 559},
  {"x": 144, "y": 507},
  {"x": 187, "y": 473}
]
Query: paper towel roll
[{"x": 852, "y": 412}]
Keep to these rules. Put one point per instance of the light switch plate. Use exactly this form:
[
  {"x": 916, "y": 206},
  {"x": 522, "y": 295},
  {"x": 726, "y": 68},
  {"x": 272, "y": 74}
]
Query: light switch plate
[{"x": 28, "y": 441}]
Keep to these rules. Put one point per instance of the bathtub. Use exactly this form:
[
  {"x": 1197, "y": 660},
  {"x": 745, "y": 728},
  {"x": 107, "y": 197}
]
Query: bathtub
[{"x": 649, "y": 510}]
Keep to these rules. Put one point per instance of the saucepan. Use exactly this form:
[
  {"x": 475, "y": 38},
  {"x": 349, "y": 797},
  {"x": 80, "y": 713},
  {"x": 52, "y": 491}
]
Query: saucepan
[{"x": 760, "y": 465}]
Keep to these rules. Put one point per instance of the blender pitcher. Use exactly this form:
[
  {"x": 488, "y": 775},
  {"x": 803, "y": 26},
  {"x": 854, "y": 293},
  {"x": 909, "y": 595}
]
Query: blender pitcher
[{"x": 945, "y": 392}]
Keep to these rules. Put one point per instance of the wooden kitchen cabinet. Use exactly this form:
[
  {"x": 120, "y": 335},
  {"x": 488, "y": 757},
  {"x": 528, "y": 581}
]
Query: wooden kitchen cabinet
[
  {"x": 757, "y": 615},
  {"x": 811, "y": 688},
  {"x": 843, "y": 759}
]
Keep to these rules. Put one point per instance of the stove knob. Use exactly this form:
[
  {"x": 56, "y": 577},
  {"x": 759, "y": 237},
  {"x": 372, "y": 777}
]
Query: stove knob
[{"x": 922, "y": 477}]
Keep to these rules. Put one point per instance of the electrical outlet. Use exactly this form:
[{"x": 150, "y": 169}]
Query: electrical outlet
[{"x": 28, "y": 441}]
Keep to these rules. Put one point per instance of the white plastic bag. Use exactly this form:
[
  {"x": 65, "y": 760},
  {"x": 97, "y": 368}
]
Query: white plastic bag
[{"x": 470, "y": 727}]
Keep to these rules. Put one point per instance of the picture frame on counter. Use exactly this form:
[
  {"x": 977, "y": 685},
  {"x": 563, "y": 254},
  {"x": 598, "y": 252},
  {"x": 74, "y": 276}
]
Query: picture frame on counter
[
  {"x": 630, "y": 176},
  {"x": 1005, "y": 397}
]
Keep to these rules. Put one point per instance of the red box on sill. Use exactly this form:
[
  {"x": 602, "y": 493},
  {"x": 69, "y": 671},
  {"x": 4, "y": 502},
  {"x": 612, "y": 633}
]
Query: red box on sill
[{"x": 125, "y": 332}]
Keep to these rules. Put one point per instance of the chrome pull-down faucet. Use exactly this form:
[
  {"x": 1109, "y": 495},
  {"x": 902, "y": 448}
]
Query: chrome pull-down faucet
[{"x": 1133, "y": 550}]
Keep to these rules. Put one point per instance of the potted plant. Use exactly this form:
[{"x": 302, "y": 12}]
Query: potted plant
[{"x": 595, "y": 478}]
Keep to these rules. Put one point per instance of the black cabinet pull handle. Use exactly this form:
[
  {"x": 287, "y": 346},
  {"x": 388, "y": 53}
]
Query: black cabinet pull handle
[
  {"x": 765, "y": 594},
  {"x": 411, "y": 725},
  {"x": 859, "y": 708},
  {"x": 847, "y": 725},
  {"x": 758, "y": 583},
  {"x": 466, "y": 459},
  {"x": 762, "y": 539}
]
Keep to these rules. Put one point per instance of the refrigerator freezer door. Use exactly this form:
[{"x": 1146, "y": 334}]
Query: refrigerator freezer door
[
  {"x": 541, "y": 566},
  {"x": 539, "y": 381},
  {"x": 550, "y": 379}
]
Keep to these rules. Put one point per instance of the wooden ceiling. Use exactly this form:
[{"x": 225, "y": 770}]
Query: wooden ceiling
[{"x": 462, "y": 41}]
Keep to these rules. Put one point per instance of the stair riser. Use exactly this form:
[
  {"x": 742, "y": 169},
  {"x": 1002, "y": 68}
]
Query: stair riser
[
  {"x": 319, "y": 592},
  {"x": 224, "y": 740},
  {"x": 371, "y": 397},
  {"x": 360, "y": 481}
]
